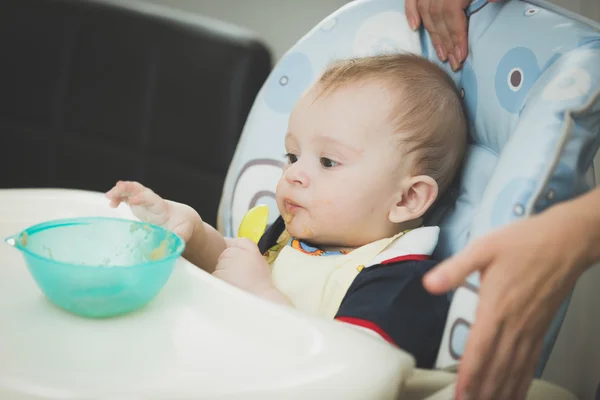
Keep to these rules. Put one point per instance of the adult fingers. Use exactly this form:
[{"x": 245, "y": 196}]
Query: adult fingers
[
  {"x": 485, "y": 334},
  {"x": 412, "y": 14},
  {"x": 424, "y": 8},
  {"x": 456, "y": 23},
  {"x": 437, "y": 10},
  {"x": 452, "y": 273}
]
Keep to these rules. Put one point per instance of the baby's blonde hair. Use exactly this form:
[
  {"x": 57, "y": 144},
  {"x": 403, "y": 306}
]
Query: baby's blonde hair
[{"x": 429, "y": 113}]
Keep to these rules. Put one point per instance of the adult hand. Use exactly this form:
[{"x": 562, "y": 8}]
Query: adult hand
[
  {"x": 446, "y": 22},
  {"x": 527, "y": 270}
]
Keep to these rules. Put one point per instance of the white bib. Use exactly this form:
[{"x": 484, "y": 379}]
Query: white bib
[{"x": 318, "y": 284}]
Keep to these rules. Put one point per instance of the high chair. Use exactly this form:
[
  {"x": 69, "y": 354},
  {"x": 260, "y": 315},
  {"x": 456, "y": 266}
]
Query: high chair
[
  {"x": 534, "y": 112},
  {"x": 531, "y": 87}
]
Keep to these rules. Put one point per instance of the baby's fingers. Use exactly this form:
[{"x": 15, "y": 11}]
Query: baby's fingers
[
  {"x": 116, "y": 196},
  {"x": 125, "y": 191},
  {"x": 146, "y": 198},
  {"x": 114, "y": 202},
  {"x": 145, "y": 204},
  {"x": 152, "y": 203},
  {"x": 131, "y": 189},
  {"x": 113, "y": 193}
]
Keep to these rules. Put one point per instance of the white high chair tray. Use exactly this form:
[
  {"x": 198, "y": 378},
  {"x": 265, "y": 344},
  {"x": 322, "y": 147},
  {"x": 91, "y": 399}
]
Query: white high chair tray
[{"x": 199, "y": 339}]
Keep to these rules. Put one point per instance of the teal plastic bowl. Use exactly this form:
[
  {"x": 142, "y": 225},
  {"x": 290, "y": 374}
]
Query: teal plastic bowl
[{"x": 99, "y": 267}]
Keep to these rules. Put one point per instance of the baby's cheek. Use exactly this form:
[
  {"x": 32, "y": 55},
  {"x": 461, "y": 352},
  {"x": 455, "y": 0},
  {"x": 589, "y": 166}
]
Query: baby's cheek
[
  {"x": 279, "y": 196},
  {"x": 337, "y": 211},
  {"x": 325, "y": 203},
  {"x": 364, "y": 207},
  {"x": 335, "y": 205}
]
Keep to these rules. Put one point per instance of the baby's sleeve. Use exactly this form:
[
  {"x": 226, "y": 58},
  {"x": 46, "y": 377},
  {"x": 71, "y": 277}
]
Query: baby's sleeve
[
  {"x": 271, "y": 235},
  {"x": 390, "y": 300}
]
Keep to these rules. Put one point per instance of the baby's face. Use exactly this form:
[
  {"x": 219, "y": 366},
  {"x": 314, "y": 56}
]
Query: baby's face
[{"x": 343, "y": 167}]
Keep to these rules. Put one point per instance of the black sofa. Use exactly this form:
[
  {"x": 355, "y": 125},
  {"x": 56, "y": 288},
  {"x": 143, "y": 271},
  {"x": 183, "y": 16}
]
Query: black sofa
[{"x": 96, "y": 91}]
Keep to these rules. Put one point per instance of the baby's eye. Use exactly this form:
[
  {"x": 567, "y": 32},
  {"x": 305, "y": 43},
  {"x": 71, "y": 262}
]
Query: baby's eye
[
  {"x": 292, "y": 158},
  {"x": 328, "y": 163}
]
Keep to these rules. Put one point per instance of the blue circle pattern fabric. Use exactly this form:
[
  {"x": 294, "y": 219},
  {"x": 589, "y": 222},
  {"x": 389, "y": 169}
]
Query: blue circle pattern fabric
[{"x": 531, "y": 87}]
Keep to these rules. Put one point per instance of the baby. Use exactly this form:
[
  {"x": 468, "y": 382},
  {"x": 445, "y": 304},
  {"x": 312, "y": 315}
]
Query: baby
[{"x": 370, "y": 147}]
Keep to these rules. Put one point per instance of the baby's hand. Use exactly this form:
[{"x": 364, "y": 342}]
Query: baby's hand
[
  {"x": 242, "y": 265},
  {"x": 149, "y": 207},
  {"x": 145, "y": 204}
]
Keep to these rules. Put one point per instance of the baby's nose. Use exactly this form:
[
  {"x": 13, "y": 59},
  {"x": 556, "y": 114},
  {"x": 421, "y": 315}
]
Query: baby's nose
[{"x": 296, "y": 176}]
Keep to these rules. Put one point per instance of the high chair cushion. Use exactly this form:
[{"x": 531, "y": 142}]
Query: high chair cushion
[{"x": 531, "y": 87}]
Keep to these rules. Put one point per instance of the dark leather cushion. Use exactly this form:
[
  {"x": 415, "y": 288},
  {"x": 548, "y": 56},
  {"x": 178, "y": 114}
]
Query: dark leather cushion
[{"x": 93, "y": 92}]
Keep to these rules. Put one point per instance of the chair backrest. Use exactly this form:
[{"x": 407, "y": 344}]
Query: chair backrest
[
  {"x": 95, "y": 91},
  {"x": 531, "y": 85}
]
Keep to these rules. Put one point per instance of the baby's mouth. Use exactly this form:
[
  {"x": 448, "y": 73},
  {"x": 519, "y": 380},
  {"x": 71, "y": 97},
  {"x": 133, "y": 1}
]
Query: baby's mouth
[{"x": 290, "y": 206}]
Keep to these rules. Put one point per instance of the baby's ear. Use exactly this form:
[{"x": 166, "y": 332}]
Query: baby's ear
[{"x": 417, "y": 195}]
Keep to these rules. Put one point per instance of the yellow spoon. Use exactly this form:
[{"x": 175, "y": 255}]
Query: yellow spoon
[{"x": 254, "y": 223}]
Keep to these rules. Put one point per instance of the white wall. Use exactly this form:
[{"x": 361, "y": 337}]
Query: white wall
[
  {"x": 282, "y": 22},
  {"x": 575, "y": 361},
  {"x": 589, "y": 8},
  {"x": 279, "y": 22}
]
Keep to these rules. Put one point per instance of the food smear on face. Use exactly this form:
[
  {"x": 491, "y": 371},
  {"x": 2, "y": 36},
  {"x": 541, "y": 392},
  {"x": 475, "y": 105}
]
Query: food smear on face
[
  {"x": 288, "y": 218},
  {"x": 307, "y": 231}
]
